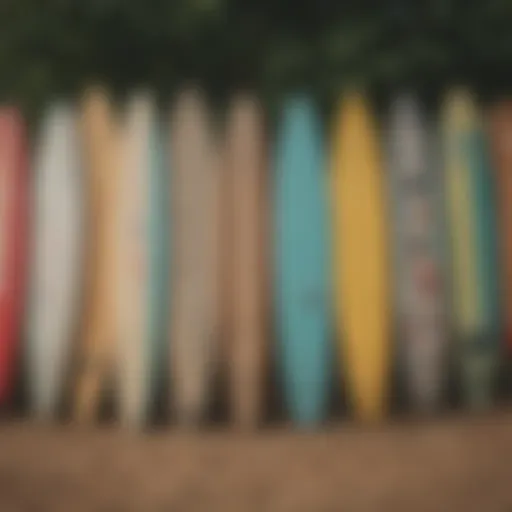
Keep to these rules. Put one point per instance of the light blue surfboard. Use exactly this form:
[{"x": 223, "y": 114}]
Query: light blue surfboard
[
  {"x": 302, "y": 262},
  {"x": 479, "y": 361}
]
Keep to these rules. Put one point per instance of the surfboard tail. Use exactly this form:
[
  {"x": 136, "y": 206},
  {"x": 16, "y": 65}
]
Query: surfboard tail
[
  {"x": 247, "y": 384},
  {"x": 478, "y": 371},
  {"x": 370, "y": 400}
]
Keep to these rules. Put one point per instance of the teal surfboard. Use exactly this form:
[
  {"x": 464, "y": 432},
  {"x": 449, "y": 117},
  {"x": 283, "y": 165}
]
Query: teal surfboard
[
  {"x": 302, "y": 262},
  {"x": 473, "y": 245},
  {"x": 479, "y": 371}
]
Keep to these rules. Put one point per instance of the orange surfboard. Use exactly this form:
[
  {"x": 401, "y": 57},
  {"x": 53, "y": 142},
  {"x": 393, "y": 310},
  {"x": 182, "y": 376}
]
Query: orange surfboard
[{"x": 100, "y": 145}]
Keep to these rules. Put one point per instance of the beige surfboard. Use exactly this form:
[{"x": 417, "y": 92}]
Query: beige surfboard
[
  {"x": 244, "y": 247},
  {"x": 100, "y": 148},
  {"x": 195, "y": 272},
  {"x": 132, "y": 263}
]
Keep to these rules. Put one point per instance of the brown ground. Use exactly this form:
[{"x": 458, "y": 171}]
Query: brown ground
[{"x": 455, "y": 464}]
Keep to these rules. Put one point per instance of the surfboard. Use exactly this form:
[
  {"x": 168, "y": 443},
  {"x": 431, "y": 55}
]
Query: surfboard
[
  {"x": 13, "y": 241},
  {"x": 100, "y": 141},
  {"x": 56, "y": 256},
  {"x": 474, "y": 245},
  {"x": 500, "y": 135},
  {"x": 301, "y": 249},
  {"x": 361, "y": 269},
  {"x": 245, "y": 276},
  {"x": 141, "y": 279},
  {"x": 417, "y": 234},
  {"x": 195, "y": 267}
]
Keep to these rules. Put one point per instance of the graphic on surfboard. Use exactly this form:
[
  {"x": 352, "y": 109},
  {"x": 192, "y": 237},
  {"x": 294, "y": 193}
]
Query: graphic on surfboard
[
  {"x": 301, "y": 258},
  {"x": 360, "y": 257},
  {"x": 13, "y": 241},
  {"x": 195, "y": 263},
  {"x": 417, "y": 235},
  {"x": 56, "y": 258},
  {"x": 245, "y": 273},
  {"x": 470, "y": 196}
]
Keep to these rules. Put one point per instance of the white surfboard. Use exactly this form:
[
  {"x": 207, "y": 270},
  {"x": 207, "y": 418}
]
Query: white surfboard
[
  {"x": 140, "y": 209},
  {"x": 195, "y": 266},
  {"x": 56, "y": 258}
]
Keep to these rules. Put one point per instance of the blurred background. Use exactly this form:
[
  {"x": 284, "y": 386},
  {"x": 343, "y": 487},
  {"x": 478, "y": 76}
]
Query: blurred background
[{"x": 454, "y": 460}]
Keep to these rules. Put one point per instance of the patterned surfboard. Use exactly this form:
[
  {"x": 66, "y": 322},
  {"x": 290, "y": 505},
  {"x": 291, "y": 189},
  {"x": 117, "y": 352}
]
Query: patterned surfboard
[
  {"x": 415, "y": 195},
  {"x": 362, "y": 292},
  {"x": 301, "y": 249}
]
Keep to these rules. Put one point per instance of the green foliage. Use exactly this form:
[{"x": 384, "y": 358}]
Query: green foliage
[{"x": 52, "y": 47}]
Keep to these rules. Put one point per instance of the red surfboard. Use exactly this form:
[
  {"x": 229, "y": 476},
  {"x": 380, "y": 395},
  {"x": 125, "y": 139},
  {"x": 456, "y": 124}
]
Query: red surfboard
[{"x": 13, "y": 231}]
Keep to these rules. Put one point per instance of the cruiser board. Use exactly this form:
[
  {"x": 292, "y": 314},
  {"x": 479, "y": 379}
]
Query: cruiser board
[
  {"x": 500, "y": 131},
  {"x": 361, "y": 259},
  {"x": 100, "y": 144},
  {"x": 195, "y": 258},
  {"x": 56, "y": 277},
  {"x": 245, "y": 278},
  {"x": 302, "y": 262},
  {"x": 13, "y": 241},
  {"x": 141, "y": 279},
  {"x": 474, "y": 245},
  {"x": 417, "y": 233}
]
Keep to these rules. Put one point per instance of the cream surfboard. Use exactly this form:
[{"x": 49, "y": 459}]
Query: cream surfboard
[
  {"x": 360, "y": 257},
  {"x": 56, "y": 258},
  {"x": 244, "y": 240},
  {"x": 415, "y": 186},
  {"x": 140, "y": 244},
  {"x": 195, "y": 266},
  {"x": 99, "y": 135},
  {"x": 472, "y": 226}
]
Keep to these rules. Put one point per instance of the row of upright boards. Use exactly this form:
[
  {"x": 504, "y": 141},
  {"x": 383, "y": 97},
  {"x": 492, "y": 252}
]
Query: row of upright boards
[{"x": 138, "y": 249}]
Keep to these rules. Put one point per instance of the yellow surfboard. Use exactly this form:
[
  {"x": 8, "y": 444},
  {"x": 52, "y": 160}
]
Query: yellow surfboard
[
  {"x": 459, "y": 115},
  {"x": 361, "y": 280}
]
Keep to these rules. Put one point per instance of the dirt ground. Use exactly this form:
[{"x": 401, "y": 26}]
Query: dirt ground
[{"x": 456, "y": 463}]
